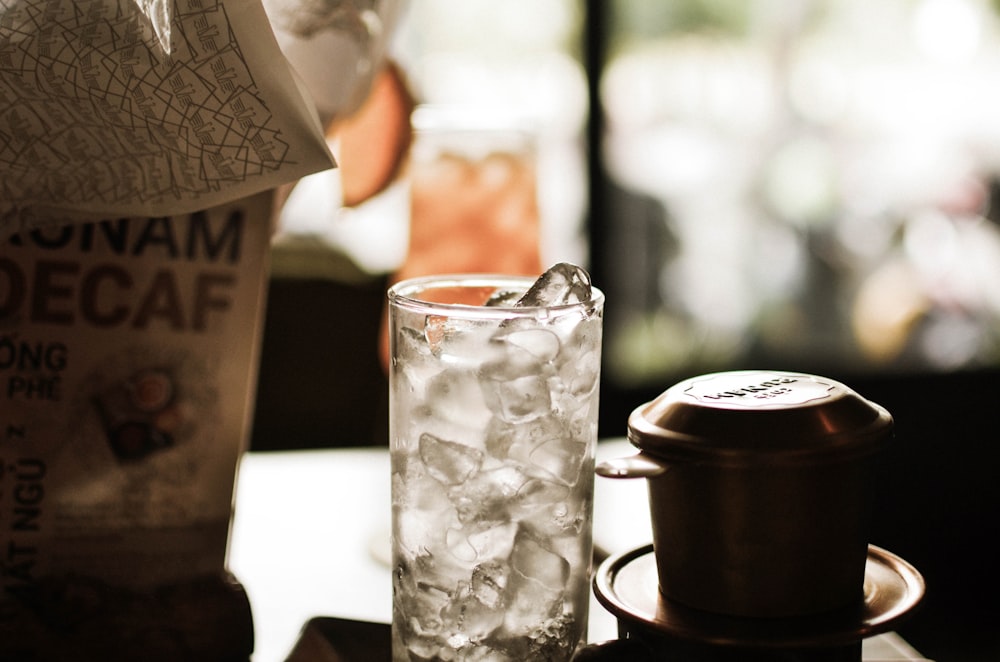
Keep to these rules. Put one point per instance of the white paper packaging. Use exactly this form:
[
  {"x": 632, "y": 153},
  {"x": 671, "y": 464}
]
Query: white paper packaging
[{"x": 128, "y": 355}]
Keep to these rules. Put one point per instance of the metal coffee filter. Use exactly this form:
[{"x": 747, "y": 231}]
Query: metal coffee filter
[{"x": 760, "y": 490}]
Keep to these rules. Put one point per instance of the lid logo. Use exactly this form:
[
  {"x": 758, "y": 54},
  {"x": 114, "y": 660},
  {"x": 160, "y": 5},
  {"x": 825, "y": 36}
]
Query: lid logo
[
  {"x": 776, "y": 389},
  {"x": 764, "y": 390}
]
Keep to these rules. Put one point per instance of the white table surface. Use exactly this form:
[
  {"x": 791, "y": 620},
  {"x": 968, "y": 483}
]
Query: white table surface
[{"x": 311, "y": 532}]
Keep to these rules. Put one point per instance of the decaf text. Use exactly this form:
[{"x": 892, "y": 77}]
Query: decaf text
[
  {"x": 107, "y": 296},
  {"x": 128, "y": 273}
]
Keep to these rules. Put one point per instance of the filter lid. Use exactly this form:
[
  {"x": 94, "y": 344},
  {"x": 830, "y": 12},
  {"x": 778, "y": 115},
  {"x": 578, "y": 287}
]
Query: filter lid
[{"x": 758, "y": 416}]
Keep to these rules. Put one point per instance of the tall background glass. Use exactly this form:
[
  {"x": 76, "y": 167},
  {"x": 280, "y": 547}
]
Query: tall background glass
[
  {"x": 473, "y": 187},
  {"x": 493, "y": 427}
]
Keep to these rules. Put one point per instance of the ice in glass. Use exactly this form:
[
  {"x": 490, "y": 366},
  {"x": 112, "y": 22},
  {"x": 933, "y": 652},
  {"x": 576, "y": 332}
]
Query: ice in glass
[{"x": 493, "y": 426}]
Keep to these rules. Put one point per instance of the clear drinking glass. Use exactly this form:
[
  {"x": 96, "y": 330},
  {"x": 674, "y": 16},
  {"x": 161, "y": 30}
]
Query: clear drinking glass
[{"x": 493, "y": 427}]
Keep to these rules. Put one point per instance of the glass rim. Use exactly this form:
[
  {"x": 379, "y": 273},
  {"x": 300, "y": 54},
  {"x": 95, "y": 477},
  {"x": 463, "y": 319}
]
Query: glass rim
[
  {"x": 403, "y": 295},
  {"x": 469, "y": 118}
]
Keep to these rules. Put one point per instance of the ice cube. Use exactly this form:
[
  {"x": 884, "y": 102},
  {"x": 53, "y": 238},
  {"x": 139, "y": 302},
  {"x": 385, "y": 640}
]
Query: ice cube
[
  {"x": 505, "y": 440},
  {"x": 449, "y": 462},
  {"x": 412, "y": 363},
  {"x": 532, "y": 560},
  {"x": 425, "y": 422},
  {"x": 517, "y": 398},
  {"x": 552, "y": 639},
  {"x": 422, "y": 646},
  {"x": 529, "y": 345},
  {"x": 560, "y": 457},
  {"x": 536, "y": 586},
  {"x": 549, "y": 447},
  {"x": 477, "y": 609},
  {"x": 578, "y": 373},
  {"x": 503, "y": 297},
  {"x": 418, "y": 601},
  {"x": 437, "y": 328},
  {"x": 580, "y": 377},
  {"x": 543, "y": 503},
  {"x": 516, "y": 390},
  {"x": 515, "y": 385},
  {"x": 423, "y": 511},
  {"x": 500, "y": 436},
  {"x": 411, "y": 347},
  {"x": 484, "y": 652},
  {"x": 485, "y": 498},
  {"x": 455, "y": 341},
  {"x": 448, "y": 405},
  {"x": 562, "y": 283},
  {"x": 433, "y": 569},
  {"x": 454, "y": 408},
  {"x": 474, "y": 545},
  {"x": 489, "y": 582}
]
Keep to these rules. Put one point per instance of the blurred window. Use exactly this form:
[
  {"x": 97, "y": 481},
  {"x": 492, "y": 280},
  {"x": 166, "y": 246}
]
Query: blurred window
[{"x": 804, "y": 185}]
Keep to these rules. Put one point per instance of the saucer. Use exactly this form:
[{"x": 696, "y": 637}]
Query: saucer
[{"x": 627, "y": 586}]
